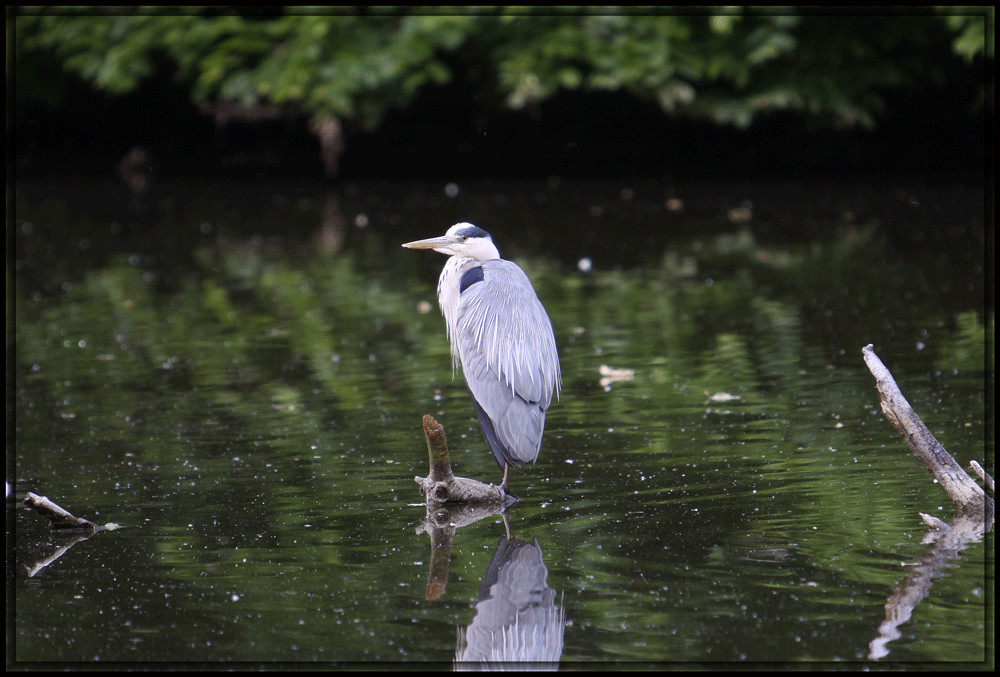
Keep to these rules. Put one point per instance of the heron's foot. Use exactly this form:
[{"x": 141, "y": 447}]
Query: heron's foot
[{"x": 506, "y": 491}]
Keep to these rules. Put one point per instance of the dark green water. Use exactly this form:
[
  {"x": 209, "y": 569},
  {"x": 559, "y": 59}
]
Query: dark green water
[{"x": 236, "y": 376}]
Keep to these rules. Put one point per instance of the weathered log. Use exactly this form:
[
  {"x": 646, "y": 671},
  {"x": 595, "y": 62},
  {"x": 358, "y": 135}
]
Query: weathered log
[
  {"x": 58, "y": 517},
  {"x": 442, "y": 486},
  {"x": 968, "y": 496}
]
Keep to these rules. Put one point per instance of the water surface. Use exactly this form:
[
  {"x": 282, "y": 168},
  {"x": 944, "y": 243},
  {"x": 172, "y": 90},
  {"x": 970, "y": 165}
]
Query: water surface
[{"x": 236, "y": 376}]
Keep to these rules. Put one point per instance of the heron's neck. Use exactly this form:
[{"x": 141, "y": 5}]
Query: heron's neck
[
  {"x": 482, "y": 250},
  {"x": 489, "y": 253}
]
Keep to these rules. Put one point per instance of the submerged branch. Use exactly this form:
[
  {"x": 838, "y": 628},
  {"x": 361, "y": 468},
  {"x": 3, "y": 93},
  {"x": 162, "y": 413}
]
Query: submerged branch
[
  {"x": 58, "y": 517},
  {"x": 963, "y": 490},
  {"x": 947, "y": 540}
]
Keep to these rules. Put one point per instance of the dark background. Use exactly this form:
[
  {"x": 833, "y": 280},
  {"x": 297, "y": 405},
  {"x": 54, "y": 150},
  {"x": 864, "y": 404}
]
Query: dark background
[{"x": 448, "y": 134}]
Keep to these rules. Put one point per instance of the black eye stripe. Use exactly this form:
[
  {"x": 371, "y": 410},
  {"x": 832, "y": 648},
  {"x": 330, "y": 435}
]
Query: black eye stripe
[{"x": 472, "y": 231}]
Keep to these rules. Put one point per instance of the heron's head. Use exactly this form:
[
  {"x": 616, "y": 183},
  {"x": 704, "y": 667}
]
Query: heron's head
[{"x": 462, "y": 239}]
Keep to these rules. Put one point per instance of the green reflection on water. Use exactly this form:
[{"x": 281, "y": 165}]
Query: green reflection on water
[{"x": 252, "y": 418}]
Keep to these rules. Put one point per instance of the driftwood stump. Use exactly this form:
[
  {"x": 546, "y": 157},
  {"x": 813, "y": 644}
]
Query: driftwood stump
[
  {"x": 442, "y": 486},
  {"x": 452, "y": 502}
]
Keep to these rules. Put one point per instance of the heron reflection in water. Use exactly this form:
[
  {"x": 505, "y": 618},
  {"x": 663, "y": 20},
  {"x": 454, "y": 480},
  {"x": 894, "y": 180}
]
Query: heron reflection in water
[
  {"x": 503, "y": 339},
  {"x": 516, "y": 618}
]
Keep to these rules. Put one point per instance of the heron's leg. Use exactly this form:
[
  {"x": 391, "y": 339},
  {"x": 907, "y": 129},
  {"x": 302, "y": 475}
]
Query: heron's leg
[{"x": 503, "y": 485}]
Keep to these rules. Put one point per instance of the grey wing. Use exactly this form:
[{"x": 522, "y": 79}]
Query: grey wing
[{"x": 509, "y": 360}]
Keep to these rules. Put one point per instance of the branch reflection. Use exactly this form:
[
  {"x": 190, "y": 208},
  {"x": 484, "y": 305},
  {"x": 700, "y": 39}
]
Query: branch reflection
[
  {"x": 60, "y": 543},
  {"x": 949, "y": 540}
]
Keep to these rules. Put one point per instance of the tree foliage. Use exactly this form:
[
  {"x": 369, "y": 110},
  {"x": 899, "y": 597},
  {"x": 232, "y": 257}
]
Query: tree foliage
[{"x": 725, "y": 65}]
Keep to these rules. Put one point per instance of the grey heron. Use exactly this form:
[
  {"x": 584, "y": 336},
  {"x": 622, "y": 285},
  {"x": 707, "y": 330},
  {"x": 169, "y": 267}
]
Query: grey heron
[{"x": 501, "y": 337}]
